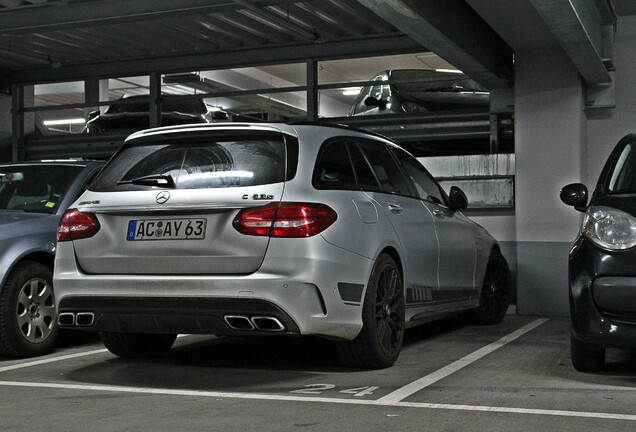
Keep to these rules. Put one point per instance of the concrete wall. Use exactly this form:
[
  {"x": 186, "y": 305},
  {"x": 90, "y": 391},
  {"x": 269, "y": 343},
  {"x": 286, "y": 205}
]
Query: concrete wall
[
  {"x": 557, "y": 142},
  {"x": 607, "y": 126}
]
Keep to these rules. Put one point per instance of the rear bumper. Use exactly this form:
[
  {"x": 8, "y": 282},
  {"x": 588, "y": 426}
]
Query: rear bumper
[
  {"x": 302, "y": 292},
  {"x": 174, "y": 315}
]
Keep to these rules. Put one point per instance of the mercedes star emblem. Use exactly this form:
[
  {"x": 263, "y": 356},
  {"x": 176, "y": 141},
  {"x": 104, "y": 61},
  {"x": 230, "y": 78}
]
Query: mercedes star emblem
[{"x": 162, "y": 197}]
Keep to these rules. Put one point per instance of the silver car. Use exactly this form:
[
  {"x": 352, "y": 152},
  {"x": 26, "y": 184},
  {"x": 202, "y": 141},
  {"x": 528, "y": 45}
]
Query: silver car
[
  {"x": 261, "y": 229},
  {"x": 33, "y": 197}
]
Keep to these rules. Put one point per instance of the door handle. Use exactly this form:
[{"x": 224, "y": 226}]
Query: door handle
[
  {"x": 395, "y": 209},
  {"x": 438, "y": 213}
]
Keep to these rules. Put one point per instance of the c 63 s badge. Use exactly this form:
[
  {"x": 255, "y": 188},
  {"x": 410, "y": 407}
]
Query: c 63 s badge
[{"x": 259, "y": 197}]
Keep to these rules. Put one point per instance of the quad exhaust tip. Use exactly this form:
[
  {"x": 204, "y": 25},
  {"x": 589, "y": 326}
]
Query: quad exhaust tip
[
  {"x": 66, "y": 319},
  {"x": 261, "y": 323},
  {"x": 239, "y": 322}
]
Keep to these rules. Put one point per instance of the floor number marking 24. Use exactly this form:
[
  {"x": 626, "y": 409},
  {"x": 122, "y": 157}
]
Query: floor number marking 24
[{"x": 315, "y": 389}]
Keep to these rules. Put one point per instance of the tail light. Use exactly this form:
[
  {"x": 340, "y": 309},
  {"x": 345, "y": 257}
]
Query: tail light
[
  {"x": 285, "y": 220},
  {"x": 76, "y": 225}
]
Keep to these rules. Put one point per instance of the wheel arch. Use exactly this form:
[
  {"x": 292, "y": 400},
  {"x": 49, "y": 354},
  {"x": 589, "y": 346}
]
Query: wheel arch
[
  {"x": 42, "y": 257},
  {"x": 393, "y": 253}
]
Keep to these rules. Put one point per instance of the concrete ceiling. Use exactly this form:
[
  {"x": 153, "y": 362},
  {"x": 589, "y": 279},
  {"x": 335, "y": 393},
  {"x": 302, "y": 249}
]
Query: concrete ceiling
[{"x": 53, "y": 40}]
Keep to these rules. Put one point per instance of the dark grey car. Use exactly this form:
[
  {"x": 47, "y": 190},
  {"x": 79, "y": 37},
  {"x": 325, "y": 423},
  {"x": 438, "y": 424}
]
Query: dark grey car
[
  {"x": 33, "y": 197},
  {"x": 130, "y": 114},
  {"x": 419, "y": 90}
]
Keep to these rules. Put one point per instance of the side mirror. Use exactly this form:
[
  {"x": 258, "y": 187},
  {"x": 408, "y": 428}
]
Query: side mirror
[
  {"x": 93, "y": 114},
  {"x": 375, "y": 102},
  {"x": 457, "y": 198},
  {"x": 575, "y": 195}
]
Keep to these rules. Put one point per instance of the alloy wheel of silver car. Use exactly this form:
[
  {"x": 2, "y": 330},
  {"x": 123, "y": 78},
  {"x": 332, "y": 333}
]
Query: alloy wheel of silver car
[
  {"x": 389, "y": 310},
  {"x": 28, "y": 318},
  {"x": 379, "y": 343}
]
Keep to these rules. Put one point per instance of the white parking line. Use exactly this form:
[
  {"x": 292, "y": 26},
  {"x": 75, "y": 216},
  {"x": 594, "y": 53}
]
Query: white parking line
[
  {"x": 409, "y": 389},
  {"x": 51, "y": 360},
  {"x": 60, "y": 358},
  {"x": 286, "y": 398}
]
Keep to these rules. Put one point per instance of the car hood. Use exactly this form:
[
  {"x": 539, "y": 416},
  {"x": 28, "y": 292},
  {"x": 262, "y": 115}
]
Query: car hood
[{"x": 625, "y": 202}]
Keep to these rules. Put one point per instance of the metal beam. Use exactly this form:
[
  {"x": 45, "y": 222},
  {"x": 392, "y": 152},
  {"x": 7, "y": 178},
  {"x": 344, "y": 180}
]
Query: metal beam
[
  {"x": 60, "y": 15},
  {"x": 17, "y": 133},
  {"x": 363, "y": 47},
  {"x": 312, "y": 90},
  {"x": 584, "y": 32},
  {"x": 455, "y": 32},
  {"x": 13, "y": 55}
]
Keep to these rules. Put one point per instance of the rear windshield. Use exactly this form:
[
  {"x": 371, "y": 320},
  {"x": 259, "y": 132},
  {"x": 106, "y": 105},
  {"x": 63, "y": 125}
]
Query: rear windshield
[
  {"x": 35, "y": 188},
  {"x": 198, "y": 162}
]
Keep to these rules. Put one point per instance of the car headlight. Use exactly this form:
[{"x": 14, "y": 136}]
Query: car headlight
[{"x": 610, "y": 228}]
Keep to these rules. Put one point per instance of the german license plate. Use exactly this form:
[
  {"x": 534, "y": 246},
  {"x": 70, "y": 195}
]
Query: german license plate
[{"x": 166, "y": 229}]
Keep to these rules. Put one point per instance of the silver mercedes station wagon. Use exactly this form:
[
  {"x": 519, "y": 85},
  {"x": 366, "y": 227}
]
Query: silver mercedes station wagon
[{"x": 262, "y": 229}]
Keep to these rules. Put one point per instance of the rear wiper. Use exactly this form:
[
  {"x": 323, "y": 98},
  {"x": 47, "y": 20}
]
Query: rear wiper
[{"x": 164, "y": 180}]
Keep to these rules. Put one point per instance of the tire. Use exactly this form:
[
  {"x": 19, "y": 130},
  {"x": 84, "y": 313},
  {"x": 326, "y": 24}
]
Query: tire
[
  {"x": 494, "y": 298},
  {"x": 138, "y": 345},
  {"x": 379, "y": 342},
  {"x": 28, "y": 318},
  {"x": 586, "y": 357}
]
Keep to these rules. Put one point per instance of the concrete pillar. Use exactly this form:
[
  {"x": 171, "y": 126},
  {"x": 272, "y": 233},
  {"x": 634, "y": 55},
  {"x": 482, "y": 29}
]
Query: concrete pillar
[{"x": 550, "y": 138}]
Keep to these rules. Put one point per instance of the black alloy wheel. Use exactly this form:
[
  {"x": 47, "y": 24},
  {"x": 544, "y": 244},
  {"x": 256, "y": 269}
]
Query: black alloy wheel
[
  {"x": 389, "y": 310},
  {"x": 379, "y": 343},
  {"x": 495, "y": 291}
]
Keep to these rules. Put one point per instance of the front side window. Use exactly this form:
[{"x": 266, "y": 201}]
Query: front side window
[
  {"x": 35, "y": 188},
  {"x": 378, "y": 91},
  {"x": 366, "y": 179},
  {"x": 385, "y": 167},
  {"x": 195, "y": 163},
  {"x": 425, "y": 186}
]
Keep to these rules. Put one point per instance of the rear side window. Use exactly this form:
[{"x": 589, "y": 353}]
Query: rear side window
[
  {"x": 198, "y": 162},
  {"x": 334, "y": 170}
]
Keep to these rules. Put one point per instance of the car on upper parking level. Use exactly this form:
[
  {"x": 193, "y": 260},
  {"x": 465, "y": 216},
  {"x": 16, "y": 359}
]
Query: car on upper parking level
[
  {"x": 132, "y": 113},
  {"x": 261, "y": 229},
  {"x": 602, "y": 261},
  {"x": 33, "y": 197},
  {"x": 417, "y": 91}
]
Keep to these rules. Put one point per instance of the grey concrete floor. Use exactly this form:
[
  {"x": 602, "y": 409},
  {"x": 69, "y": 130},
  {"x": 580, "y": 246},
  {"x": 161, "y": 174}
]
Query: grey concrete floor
[{"x": 451, "y": 376}]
